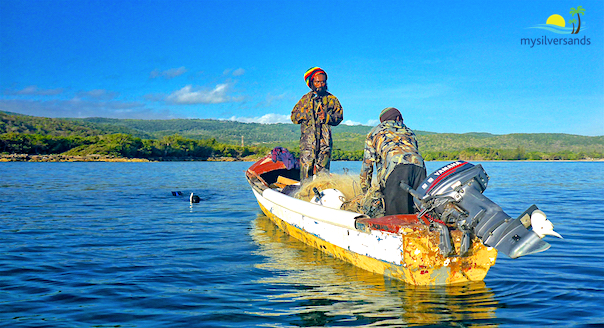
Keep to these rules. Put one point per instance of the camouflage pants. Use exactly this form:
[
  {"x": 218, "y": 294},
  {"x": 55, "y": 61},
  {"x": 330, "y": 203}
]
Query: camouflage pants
[
  {"x": 315, "y": 149},
  {"x": 312, "y": 162}
]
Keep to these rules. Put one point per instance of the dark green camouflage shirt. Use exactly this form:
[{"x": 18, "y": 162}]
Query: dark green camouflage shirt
[
  {"x": 388, "y": 144},
  {"x": 315, "y": 132}
]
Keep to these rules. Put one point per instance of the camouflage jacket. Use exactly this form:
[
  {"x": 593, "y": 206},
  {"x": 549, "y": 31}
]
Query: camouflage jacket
[
  {"x": 311, "y": 127},
  {"x": 388, "y": 144}
]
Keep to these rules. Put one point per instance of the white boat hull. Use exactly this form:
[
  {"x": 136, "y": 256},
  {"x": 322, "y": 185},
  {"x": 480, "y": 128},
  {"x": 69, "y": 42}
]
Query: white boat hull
[{"x": 410, "y": 255}]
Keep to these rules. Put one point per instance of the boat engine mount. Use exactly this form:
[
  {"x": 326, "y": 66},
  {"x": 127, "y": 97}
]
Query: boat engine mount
[{"x": 452, "y": 197}]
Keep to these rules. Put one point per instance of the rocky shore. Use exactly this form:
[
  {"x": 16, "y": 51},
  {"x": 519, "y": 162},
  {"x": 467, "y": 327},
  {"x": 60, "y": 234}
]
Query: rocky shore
[
  {"x": 66, "y": 158},
  {"x": 104, "y": 158}
]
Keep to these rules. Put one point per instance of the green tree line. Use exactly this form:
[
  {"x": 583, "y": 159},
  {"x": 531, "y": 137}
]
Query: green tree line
[
  {"x": 123, "y": 145},
  {"x": 490, "y": 154},
  {"x": 176, "y": 146},
  {"x": 202, "y": 139},
  {"x": 478, "y": 154}
]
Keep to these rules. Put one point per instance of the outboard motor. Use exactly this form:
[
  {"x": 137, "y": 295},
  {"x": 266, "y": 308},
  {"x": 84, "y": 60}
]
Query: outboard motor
[{"x": 452, "y": 196}]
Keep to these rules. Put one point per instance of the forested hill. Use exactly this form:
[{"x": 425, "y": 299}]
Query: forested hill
[
  {"x": 222, "y": 130},
  {"x": 17, "y": 123},
  {"x": 347, "y": 139}
]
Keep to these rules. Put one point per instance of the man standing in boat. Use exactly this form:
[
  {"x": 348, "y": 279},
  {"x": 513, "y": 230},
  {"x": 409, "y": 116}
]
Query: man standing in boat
[
  {"x": 316, "y": 112},
  {"x": 392, "y": 147}
]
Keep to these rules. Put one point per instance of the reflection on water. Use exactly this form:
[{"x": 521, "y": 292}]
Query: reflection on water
[
  {"x": 108, "y": 245},
  {"x": 327, "y": 291}
]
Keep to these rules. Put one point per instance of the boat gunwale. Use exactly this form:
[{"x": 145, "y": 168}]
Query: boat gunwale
[{"x": 433, "y": 269}]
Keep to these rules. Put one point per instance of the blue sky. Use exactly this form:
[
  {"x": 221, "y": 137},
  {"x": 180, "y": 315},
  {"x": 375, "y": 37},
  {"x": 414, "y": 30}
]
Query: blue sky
[{"x": 448, "y": 66}]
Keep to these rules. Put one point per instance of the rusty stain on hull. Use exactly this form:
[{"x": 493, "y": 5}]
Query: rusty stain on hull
[
  {"x": 422, "y": 262},
  {"x": 400, "y": 246}
]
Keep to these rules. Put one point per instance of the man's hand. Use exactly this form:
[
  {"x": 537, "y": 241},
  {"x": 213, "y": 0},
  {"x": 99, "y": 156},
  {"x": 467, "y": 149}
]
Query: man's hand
[{"x": 321, "y": 113}]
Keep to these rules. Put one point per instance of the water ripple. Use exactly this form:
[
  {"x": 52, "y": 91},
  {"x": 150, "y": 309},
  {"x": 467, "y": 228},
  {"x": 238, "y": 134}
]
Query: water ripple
[{"x": 107, "y": 244}]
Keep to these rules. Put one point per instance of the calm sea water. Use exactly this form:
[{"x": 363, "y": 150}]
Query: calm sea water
[{"x": 108, "y": 245}]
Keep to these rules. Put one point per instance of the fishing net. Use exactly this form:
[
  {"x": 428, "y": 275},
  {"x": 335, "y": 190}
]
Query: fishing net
[
  {"x": 347, "y": 184},
  {"x": 370, "y": 203}
]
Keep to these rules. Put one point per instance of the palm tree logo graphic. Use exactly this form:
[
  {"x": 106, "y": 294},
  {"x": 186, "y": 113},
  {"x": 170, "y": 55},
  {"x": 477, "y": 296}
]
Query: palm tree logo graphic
[
  {"x": 556, "y": 23},
  {"x": 577, "y": 11},
  {"x": 573, "y": 21}
]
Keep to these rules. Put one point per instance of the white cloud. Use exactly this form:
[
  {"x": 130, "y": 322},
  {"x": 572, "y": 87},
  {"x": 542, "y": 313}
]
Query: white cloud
[
  {"x": 189, "y": 95},
  {"x": 265, "y": 119},
  {"x": 270, "y": 100},
  {"x": 154, "y": 97},
  {"x": 369, "y": 123},
  {"x": 350, "y": 122},
  {"x": 100, "y": 94},
  {"x": 33, "y": 90},
  {"x": 278, "y": 118},
  {"x": 79, "y": 108},
  {"x": 238, "y": 72},
  {"x": 169, "y": 73}
]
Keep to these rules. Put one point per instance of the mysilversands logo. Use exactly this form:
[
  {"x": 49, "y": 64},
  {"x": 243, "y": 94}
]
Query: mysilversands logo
[{"x": 556, "y": 24}]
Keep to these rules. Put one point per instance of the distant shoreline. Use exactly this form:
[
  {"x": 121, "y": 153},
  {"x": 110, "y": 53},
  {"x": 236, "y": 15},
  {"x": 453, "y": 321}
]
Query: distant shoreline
[
  {"x": 523, "y": 160},
  {"x": 104, "y": 158}
]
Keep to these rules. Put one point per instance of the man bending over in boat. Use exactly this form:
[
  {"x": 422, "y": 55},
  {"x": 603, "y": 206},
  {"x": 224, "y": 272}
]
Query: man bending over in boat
[
  {"x": 316, "y": 112},
  {"x": 392, "y": 147}
]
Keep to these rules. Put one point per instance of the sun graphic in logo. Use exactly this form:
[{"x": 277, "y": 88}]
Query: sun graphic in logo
[
  {"x": 556, "y": 20},
  {"x": 557, "y": 24}
]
